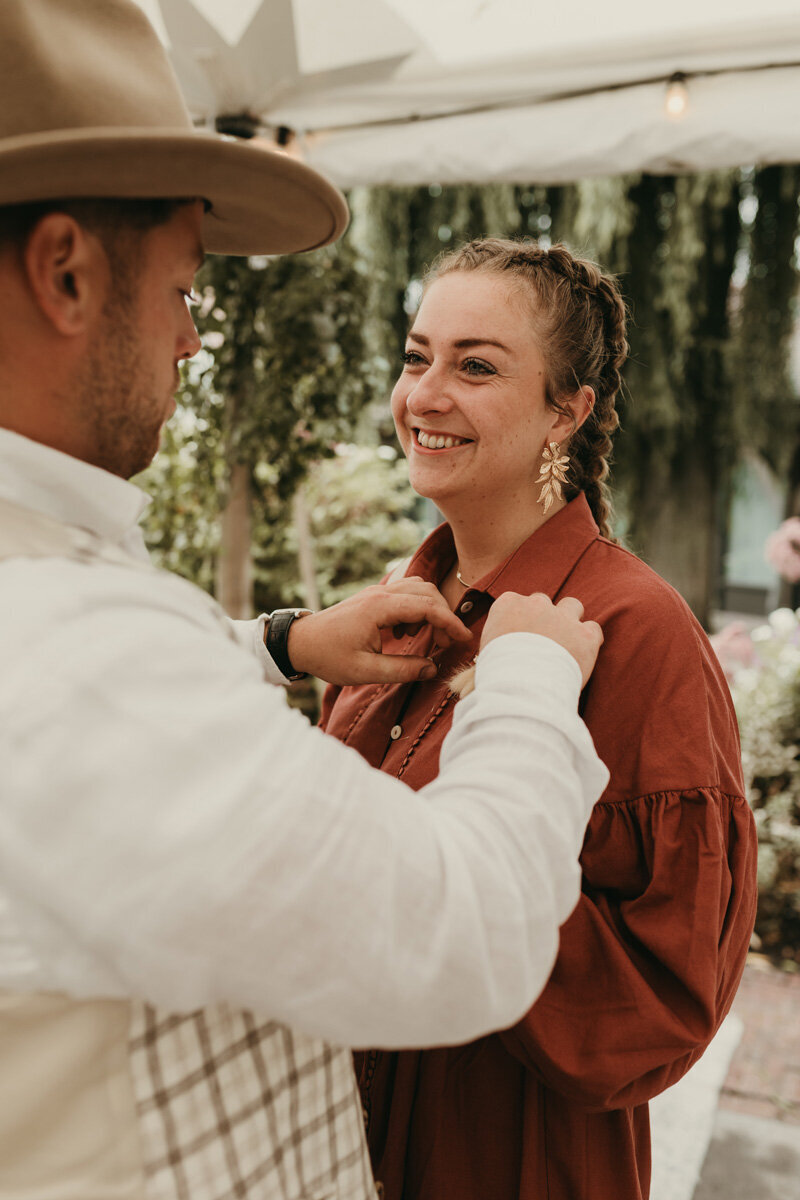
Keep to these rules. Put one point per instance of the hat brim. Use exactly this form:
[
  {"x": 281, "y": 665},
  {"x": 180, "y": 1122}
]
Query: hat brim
[{"x": 262, "y": 201}]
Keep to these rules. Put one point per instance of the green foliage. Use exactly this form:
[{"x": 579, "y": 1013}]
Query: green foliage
[
  {"x": 767, "y": 698},
  {"x": 361, "y": 519},
  {"x": 403, "y": 230},
  {"x": 764, "y": 392},
  {"x": 672, "y": 241},
  {"x": 185, "y": 483},
  {"x": 288, "y": 373},
  {"x": 284, "y": 376}
]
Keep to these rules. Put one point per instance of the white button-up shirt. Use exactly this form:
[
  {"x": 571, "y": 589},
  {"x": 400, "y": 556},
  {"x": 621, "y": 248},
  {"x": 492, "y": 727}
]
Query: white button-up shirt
[{"x": 171, "y": 830}]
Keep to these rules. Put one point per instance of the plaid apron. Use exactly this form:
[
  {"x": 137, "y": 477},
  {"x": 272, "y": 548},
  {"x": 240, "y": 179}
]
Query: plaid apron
[{"x": 228, "y": 1104}]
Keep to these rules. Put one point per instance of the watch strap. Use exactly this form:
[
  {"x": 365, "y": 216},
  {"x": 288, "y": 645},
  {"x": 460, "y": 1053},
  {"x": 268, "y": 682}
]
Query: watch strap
[{"x": 276, "y": 640}]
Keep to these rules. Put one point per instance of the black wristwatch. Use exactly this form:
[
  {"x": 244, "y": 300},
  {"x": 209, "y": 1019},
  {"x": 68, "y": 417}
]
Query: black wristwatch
[{"x": 276, "y": 639}]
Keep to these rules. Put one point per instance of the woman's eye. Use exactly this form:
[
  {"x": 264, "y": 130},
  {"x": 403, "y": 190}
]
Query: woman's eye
[
  {"x": 412, "y": 359},
  {"x": 476, "y": 366}
]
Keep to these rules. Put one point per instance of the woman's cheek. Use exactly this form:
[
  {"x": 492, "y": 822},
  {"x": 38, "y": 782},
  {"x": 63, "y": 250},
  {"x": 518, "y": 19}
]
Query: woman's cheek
[{"x": 398, "y": 408}]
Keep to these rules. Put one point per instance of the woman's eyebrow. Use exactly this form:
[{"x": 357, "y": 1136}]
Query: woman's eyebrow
[{"x": 462, "y": 343}]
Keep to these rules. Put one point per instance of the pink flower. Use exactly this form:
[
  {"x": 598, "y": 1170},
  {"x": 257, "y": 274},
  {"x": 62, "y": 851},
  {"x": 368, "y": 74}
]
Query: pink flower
[
  {"x": 734, "y": 648},
  {"x": 782, "y": 549}
]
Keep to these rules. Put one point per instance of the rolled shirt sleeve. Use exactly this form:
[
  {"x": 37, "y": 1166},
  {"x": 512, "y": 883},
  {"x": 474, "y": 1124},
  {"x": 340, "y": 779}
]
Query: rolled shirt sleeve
[
  {"x": 171, "y": 830},
  {"x": 250, "y": 636}
]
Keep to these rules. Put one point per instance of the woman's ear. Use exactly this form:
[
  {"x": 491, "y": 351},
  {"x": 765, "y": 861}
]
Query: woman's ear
[{"x": 578, "y": 409}]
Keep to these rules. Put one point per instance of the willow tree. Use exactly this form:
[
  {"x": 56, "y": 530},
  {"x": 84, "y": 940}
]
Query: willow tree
[
  {"x": 766, "y": 318},
  {"x": 400, "y": 232},
  {"x": 673, "y": 241},
  {"x": 764, "y": 385}
]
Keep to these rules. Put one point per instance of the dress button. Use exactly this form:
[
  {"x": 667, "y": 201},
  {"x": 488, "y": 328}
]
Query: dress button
[
  {"x": 396, "y": 732},
  {"x": 379, "y": 1187},
  {"x": 467, "y": 606}
]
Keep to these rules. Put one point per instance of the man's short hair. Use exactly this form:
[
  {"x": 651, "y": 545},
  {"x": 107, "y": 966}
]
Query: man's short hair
[{"x": 109, "y": 218}]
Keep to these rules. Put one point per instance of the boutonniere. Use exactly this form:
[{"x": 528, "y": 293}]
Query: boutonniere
[{"x": 463, "y": 682}]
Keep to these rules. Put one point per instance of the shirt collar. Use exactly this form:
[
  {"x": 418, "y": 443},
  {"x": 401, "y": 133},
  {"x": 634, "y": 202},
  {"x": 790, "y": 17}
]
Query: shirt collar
[
  {"x": 70, "y": 491},
  {"x": 541, "y": 564}
]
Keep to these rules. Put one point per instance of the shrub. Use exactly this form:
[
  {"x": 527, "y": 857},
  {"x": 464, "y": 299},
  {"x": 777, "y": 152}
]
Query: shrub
[{"x": 766, "y": 692}]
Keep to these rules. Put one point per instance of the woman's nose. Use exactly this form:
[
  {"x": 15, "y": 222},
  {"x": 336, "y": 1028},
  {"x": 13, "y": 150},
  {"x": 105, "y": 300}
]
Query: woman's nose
[{"x": 429, "y": 394}]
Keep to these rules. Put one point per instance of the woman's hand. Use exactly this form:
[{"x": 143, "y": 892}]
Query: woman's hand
[
  {"x": 342, "y": 644},
  {"x": 562, "y": 622}
]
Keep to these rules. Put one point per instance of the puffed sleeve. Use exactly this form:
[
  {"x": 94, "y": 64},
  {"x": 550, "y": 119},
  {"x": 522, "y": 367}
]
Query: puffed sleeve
[
  {"x": 650, "y": 960},
  {"x": 651, "y": 957}
]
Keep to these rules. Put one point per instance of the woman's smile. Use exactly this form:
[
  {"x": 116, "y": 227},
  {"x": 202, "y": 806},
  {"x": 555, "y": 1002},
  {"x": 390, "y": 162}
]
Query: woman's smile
[{"x": 434, "y": 441}]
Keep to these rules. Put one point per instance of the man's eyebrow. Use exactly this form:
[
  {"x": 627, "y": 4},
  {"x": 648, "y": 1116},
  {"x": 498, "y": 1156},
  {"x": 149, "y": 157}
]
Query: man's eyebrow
[{"x": 462, "y": 343}]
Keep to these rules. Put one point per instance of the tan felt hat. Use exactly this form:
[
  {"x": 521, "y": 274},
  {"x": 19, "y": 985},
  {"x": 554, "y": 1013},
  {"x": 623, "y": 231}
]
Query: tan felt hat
[{"x": 90, "y": 107}]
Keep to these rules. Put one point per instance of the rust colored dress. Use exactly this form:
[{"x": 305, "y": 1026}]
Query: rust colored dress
[{"x": 556, "y": 1108}]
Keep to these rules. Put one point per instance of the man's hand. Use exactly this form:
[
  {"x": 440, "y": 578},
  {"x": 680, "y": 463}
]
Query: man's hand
[
  {"x": 512, "y": 613},
  {"x": 342, "y": 644}
]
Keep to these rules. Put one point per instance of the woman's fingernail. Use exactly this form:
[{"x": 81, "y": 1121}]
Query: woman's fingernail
[{"x": 428, "y": 672}]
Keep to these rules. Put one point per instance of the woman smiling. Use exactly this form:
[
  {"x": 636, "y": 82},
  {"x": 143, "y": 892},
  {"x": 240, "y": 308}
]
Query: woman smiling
[{"x": 505, "y": 410}]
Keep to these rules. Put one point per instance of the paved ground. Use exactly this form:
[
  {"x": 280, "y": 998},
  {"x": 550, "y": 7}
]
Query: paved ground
[{"x": 755, "y": 1149}]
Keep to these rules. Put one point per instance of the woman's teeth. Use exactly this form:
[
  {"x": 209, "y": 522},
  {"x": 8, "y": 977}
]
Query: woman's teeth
[{"x": 433, "y": 441}]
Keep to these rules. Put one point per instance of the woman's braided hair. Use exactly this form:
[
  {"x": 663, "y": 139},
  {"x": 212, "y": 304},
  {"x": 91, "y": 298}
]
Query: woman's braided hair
[{"x": 579, "y": 320}]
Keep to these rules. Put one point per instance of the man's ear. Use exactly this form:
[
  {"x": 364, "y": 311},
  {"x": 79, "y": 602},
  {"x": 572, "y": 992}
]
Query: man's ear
[
  {"x": 579, "y": 407},
  {"x": 67, "y": 272}
]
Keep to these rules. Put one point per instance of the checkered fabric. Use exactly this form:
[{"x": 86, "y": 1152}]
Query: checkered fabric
[{"x": 230, "y": 1106}]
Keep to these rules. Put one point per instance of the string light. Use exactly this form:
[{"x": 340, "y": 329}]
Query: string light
[{"x": 676, "y": 101}]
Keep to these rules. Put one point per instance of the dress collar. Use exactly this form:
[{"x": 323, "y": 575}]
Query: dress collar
[
  {"x": 70, "y": 491},
  {"x": 541, "y": 564}
]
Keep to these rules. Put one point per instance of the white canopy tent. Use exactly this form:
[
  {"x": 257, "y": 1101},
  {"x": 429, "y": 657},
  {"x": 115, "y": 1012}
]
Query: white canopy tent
[{"x": 420, "y": 91}]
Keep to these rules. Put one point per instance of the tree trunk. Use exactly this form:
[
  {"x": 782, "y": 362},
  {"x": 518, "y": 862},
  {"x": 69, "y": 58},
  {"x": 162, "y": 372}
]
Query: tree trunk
[
  {"x": 234, "y": 565},
  {"x": 680, "y": 446},
  {"x": 305, "y": 550},
  {"x": 678, "y": 531}
]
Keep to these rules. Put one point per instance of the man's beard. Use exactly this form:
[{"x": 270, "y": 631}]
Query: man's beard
[{"x": 117, "y": 394}]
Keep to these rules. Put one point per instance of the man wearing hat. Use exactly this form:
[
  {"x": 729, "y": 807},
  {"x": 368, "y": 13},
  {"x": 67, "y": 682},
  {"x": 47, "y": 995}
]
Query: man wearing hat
[{"x": 201, "y": 897}]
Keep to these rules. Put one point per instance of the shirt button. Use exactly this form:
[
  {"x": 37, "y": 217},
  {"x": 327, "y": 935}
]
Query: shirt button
[
  {"x": 396, "y": 732},
  {"x": 467, "y": 606}
]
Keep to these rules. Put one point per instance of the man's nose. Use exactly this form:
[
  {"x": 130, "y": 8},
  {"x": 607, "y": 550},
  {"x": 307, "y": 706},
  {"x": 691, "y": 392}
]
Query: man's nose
[{"x": 189, "y": 342}]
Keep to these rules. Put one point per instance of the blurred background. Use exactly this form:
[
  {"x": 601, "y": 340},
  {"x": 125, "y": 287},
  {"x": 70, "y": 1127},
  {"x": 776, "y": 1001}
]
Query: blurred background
[{"x": 663, "y": 142}]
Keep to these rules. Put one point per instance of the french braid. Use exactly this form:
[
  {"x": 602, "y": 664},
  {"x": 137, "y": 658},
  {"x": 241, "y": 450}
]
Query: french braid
[{"x": 579, "y": 321}]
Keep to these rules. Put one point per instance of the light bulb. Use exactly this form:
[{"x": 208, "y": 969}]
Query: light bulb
[{"x": 676, "y": 101}]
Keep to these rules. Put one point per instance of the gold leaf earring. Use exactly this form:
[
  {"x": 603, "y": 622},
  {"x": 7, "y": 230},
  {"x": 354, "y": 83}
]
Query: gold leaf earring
[{"x": 552, "y": 474}]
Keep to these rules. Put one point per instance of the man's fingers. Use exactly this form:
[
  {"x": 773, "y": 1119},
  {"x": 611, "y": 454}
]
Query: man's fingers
[
  {"x": 400, "y": 631},
  {"x": 412, "y": 586},
  {"x": 595, "y": 630},
  {"x": 404, "y": 609},
  {"x": 572, "y": 606},
  {"x": 395, "y": 668}
]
